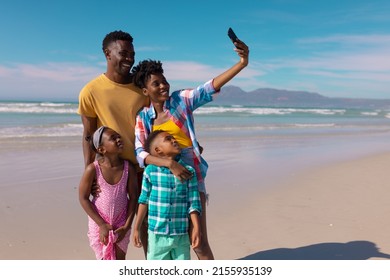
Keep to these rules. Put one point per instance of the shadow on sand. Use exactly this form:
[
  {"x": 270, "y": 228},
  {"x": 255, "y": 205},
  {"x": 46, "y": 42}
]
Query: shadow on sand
[{"x": 354, "y": 250}]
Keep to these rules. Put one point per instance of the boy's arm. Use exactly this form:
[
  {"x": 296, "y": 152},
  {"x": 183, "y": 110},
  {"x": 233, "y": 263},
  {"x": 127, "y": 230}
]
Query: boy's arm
[
  {"x": 195, "y": 235},
  {"x": 84, "y": 194},
  {"x": 194, "y": 209},
  {"x": 243, "y": 52},
  {"x": 142, "y": 210}
]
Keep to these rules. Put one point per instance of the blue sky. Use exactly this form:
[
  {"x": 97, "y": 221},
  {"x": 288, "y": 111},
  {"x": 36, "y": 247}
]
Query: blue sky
[{"x": 50, "y": 49}]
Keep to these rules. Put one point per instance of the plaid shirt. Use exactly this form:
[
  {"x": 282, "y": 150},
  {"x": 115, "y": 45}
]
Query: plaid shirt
[
  {"x": 180, "y": 107},
  {"x": 169, "y": 200}
]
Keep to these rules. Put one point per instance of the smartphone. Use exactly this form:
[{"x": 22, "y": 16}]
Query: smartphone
[{"x": 232, "y": 35}]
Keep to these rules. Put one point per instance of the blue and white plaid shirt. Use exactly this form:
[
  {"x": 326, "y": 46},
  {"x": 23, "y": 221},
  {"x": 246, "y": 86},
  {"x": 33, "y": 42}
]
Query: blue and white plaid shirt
[{"x": 169, "y": 200}]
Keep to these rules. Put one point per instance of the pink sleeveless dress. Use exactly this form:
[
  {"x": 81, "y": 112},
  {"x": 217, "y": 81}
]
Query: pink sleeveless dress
[{"x": 111, "y": 204}]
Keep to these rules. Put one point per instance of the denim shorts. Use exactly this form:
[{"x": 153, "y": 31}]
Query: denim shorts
[{"x": 187, "y": 156}]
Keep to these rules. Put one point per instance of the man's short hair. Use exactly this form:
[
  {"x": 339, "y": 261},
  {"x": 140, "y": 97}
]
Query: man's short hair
[{"x": 115, "y": 36}]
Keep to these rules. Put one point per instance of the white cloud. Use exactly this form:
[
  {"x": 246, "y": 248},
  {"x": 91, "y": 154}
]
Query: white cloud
[
  {"x": 60, "y": 72},
  {"x": 337, "y": 65},
  {"x": 49, "y": 80},
  {"x": 358, "y": 66},
  {"x": 66, "y": 79},
  {"x": 355, "y": 58},
  {"x": 197, "y": 72},
  {"x": 378, "y": 61}
]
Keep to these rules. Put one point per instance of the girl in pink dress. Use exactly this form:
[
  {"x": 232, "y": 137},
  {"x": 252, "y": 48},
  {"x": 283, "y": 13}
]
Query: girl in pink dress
[{"x": 111, "y": 213}]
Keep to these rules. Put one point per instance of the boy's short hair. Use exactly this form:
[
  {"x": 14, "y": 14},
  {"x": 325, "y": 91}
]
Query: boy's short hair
[
  {"x": 115, "y": 36},
  {"x": 142, "y": 72},
  {"x": 149, "y": 141}
]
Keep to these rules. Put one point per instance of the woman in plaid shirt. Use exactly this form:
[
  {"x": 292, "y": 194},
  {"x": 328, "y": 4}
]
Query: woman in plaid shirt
[
  {"x": 169, "y": 203},
  {"x": 174, "y": 114}
]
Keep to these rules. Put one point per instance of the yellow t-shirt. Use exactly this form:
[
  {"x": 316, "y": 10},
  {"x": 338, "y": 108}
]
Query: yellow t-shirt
[
  {"x": 176, "y": 132},
  {"x": 114, "y": 105}
]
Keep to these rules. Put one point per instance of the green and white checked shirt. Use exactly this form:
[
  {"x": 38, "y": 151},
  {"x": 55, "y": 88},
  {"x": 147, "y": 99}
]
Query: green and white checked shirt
[{"x": 169, "y": 200}]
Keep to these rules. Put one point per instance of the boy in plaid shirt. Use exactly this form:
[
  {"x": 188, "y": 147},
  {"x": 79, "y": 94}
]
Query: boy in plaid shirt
[{"x": 169, "y": 204}]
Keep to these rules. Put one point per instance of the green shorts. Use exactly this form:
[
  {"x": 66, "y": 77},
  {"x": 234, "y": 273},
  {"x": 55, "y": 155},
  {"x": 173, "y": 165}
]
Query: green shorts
[{"x": 165, "y": 247}]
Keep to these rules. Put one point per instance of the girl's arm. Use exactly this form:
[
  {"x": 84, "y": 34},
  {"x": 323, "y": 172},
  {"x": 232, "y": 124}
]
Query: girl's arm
[
  {"x": 84, "y": 194},
  {"x": 243, "y": 52}
]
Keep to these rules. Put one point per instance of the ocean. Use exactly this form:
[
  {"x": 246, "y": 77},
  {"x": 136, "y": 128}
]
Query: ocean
[
  {"x": 279, "y": 142},
  {"x": 47, "y": 119},
  {"x": 291, "y": 130}
]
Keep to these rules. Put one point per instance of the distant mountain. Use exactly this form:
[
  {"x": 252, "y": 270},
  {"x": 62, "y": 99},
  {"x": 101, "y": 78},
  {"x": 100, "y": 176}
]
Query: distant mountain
[{"x": 232, "y": 95}]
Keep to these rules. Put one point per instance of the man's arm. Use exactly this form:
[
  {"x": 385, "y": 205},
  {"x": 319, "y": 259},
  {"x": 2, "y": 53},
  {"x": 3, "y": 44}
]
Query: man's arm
[{"x": 89, "y": 127}]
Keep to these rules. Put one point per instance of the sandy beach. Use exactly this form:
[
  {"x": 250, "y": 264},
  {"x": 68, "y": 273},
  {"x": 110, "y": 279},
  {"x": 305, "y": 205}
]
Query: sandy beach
[{"x": 333, "y": 210}]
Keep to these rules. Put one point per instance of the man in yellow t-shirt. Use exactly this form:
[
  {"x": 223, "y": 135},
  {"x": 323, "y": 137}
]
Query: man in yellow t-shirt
[{"x": 112, "y": 100}]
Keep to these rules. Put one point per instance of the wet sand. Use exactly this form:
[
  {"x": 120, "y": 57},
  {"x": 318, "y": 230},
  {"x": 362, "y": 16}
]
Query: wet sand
[{"x": 336, "y": 210}]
